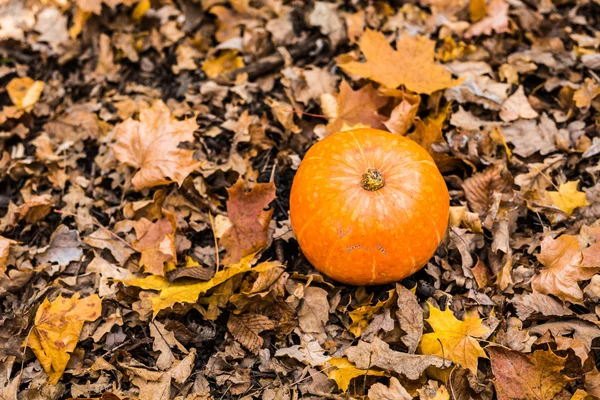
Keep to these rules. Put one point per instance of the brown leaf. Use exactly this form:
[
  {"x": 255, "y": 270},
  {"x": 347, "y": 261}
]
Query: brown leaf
[
  {"x": 352, "y": 107},
  {"x": 152, "y": 146},
  {"x": 530, "y": 305},
  {"x": 563, "y": 262},
  {"x": 245, "y": 329},
  {"x": 496, "y": 20},
  {"x": 395, "y": 391},
  {"x": 403, "y": 115},
  {"x": 156, "y": 242},
  {"x": 250, "y": 223},
  {"x": 378, "y": 354},
  {"x": 529, "y": 377},
  {"x": 314, "y": 311},
  {"x": 517, "y": 106},
  {"x": 410, "y": 317},
  {"x": 392, "y": 68},
  {"x": 5, "y": 245},
  {"x": 480, "y": 187},
  {"x": 64, "y": 247}
]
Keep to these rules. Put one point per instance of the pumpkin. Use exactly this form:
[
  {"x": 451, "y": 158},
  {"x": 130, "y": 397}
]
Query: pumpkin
[{"x": 368, "y": 207}]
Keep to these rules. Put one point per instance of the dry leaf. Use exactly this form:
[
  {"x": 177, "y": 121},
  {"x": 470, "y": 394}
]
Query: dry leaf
[
  {"x": 395, "y": 391},
  {"x": 5, "y": 245},
  {"x": 164, "y": 340},
  {"x": 56, "y": 330},
  {"x": 533, "y": 304},
  {"x": 345, "y": 371},
  {"x": 63, "y": 249},
  {"x": 227, "y": 61},
  {"x": 314, "y": 311},
  {"x": 410, "y": 317},
  {"x": 250, "y": 222},
  {"x": 245, "y": 329},
  {"x": 455, "y": 339},
  {"x": 522, "y": 376},
  {"x": 156, "y": 242},
  {"x": 352, "y": 107},
  {"x": 568, "y": 198},
  {"x": 378, "y": 354},
  {"x": 564, "y": 268},
  {"x": 411, "y": 64},
  {"x": 403, "y": 115},
  {"x": 361, "y": 316},
  {"x": 151, "y": 146},
  {"x": 517, "y": 106},
  {"x": 24, "y": 92},
  {"x": 480, "y": 187},
  {"x": 496, "y": 20},
  {"x": 529, "y": 137}
]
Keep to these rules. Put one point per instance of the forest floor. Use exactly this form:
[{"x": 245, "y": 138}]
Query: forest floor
[{"x": 147, "y": 151}]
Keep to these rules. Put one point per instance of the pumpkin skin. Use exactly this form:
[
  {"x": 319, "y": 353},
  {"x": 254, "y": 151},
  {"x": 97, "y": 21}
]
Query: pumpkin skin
[{"x": 368, "y": 206}]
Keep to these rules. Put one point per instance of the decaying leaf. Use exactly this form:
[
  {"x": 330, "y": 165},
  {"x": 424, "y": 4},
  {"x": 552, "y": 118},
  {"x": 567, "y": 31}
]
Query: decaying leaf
[
  {"x": 5, "y": 245},
  {"x": 522, "y": 376},
  {"x": 395, "y": 391},
  {"x": 480, "y": 188},
  {"x": 411, "y": 64},
  {"x": 250, "y": 222},
  {"x": 64, "y": 247},
  {"x": 151, "y": 145},
  {"x": 410, "y": 317},
  {"x": 378, "y": 354},
  {"x": 345, "y": 371},
  {"x": 361, "y": 316},
  {"x": 246, "y": 329},
  {"x": 56, "y": 330},
  {"x": 454, "y": 339},
  {"x": 156, "y": 242}
]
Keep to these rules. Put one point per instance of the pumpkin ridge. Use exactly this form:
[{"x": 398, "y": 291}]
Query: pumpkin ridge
[{"x": 359, "y": 148}]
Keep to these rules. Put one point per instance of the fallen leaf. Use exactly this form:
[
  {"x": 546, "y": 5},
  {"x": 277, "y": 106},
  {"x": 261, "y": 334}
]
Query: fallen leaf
[
  {"x": 24, "y": 92},
  {"x": 395, "y": 391},
  {"x": 454, "y": 339},
  {"x": 378, "y": 354},
  {"x": 52, "y": 26},
  {"x": 533, "y": 304},
  {"x": 308, "y": 352},
  {"x": 105, "y": 239},
  {"x": 314, "y": 311},
  {"x": 227, "y": 61},
  {"x": 345, "y": 371},
  {"x": 327, "y": 17},
  {"x": 523, "y": 376},
  {"x": 403, "y": 115},
  {"x": 63, "y": 249},
  {"x": 480, "y": 187},
  {"x": 361, "y": 316},
  {"x": 529, "y": 137},
  {"x": 352, "y": 107},
  {"x": 156, "y": 242},
  {"x": 250, "y": 222},
  {"x": 517, "y": 106},
  {"x": 410, "y": 317},
  {"x": 5, "y": 245},
  {"x": 164, "y": 340},
  {"x": 151, "y": 146},
  {"x": 564, "y": 268},
  {"x": 433, "y": 391},
  {"x": 496, "y": 20},
  {"x": 568, "y": 198},
  {"x": 186, "y": 291},
  {"x": 583, "y": 334},
  {"x": 246, "y": 328},
  {"x": 56, "y": 330},
  {"x": 411, "y": 64}
]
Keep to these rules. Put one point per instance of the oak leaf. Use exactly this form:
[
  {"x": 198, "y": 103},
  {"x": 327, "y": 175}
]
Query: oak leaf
[
  {"x": 378, "y": 354},
  {"x": 186, "y": 291},
  {"x": 454, "y": 339},
  {"x": 564, "y": 268},
  {"x": 568, "y": 198},
  {"x": 345, "y": 371},
  {"x": 24, "y": 92},
  {"x": 151, "y": 146},
  {"x": 352, "y": 107},
  {"x": 526, "y": 376},
  {"x": 246, "y": 328},
  {"x": 56, "y": 330},
  {"x": 250, "y": 222},
  {"x": 411, "y": 64}
]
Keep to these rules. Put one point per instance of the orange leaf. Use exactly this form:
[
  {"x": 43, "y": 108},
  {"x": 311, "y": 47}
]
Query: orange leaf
[
  {"x": 357, "y": 106},
  {"x": 411, "y": 64}
]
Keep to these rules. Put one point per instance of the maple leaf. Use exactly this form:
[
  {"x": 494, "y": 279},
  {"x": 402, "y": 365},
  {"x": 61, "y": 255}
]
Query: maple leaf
[
  {"x": 454, "y": 339},
  {"x": 187, "y": 291},
  {"x": 568, "y": 198},
  {"x": 250, "y": 223},
  {"x": 151, "y": 145},
  {"x": 24, "y": 92},
  {"x": 246, "y": 328},
  {"x": 156, "y": 242},
  {"x": 564, "y": 267},
  {"x": 345, "y": 371},
  {"x": 526, "y": 376},
  {"x": 411, "y": 64},
  {"x": 5, "y": 245},
  {"x": 352, "y": 107},
  {"x": 56, "y": 330}
]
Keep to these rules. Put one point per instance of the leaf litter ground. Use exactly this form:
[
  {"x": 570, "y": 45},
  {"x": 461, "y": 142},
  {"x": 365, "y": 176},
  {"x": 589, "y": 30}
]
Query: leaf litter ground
[{"x": 147, "y": 150}]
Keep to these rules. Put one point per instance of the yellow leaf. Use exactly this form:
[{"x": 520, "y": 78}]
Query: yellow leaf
[
  {"x": 454, "y": 339},
  {"x": 79, "y": 20},
  {"x": 361, "y": 317},
  {"x": 226, "y": 62},
  {"x": 24, "y": 92},
  {"x": 568, "y": 198},
  {"x": 187, "y": 291},
  {"x": 56, "y": 331},
  {"x": 477, "y": 9},
  {"x": 140, "y": 10},
  {"x": 411, "y": 64},
  {"x": 345, "y": 371}
]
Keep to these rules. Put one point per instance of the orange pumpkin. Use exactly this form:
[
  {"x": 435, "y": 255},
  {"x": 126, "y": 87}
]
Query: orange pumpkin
[{"x": 368, "y": 206}]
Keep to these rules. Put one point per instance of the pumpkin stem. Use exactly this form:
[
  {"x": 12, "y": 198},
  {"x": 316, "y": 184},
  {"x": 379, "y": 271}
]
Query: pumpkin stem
[{"x": 372, "y": 180}]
